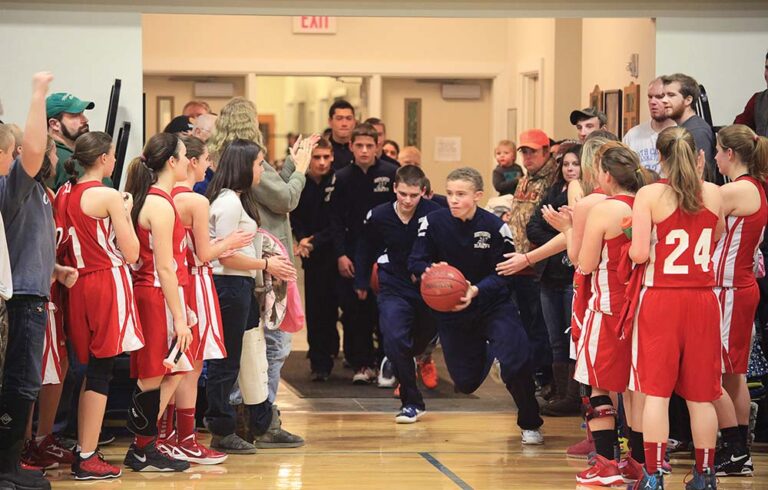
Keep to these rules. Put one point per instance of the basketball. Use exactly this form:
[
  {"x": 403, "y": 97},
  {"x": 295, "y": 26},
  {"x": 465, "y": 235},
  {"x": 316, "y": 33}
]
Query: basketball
[
  {"x": 442, "y": 287},
  {"x": 375, "y": 278}
]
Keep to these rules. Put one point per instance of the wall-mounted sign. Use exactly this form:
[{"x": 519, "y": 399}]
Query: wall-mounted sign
[{"x": 314, "y": 24}]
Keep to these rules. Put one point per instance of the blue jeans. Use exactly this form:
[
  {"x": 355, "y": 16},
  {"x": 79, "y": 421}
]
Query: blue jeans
[
  {"x": 556, "y": 305},
  {"x": 278, "y": 349},
  {"x": 23, "y": 375}
]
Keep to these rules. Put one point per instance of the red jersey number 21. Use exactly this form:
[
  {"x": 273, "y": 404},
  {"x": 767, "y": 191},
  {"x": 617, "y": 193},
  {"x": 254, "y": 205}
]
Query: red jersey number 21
[{"x": 702, "y": 255}]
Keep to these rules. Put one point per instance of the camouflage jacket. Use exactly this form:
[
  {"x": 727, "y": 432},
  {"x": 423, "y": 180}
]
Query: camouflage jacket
[{"x": 528, "y": 196}]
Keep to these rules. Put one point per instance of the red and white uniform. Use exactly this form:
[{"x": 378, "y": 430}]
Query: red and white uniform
[
  {"x": 100, "y": 314},
  {"x": 201, "y": 297},
  {"x": 603, "y": 360},
  {"x": 150, "y": 301},
  {"x": 676, "y": 334},
  {"x": 736, "y": 287},
  {"x": 54, "y": 344}
]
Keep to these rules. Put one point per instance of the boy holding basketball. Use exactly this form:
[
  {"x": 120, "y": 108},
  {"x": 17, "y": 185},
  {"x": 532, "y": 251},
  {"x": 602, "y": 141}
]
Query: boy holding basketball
[
  {"x": 485, "y": 324},
  {"x": 406, "y": 324}
]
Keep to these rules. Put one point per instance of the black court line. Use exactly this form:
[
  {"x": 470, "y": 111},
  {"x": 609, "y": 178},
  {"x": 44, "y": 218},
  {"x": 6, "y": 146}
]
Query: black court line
[{"x": 444, "y": 470}]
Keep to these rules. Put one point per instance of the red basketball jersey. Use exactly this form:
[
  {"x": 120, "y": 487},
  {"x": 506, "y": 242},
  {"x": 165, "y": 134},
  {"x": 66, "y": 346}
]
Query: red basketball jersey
[
  {"x": 86, "y": 243},
  {"x": 734, "y": 256},
  {"x": 607, "y": 290},
  {"x": 193, "y": 261},
  {"x": 145, "y": 272},
  {"x": 681, "y": 251}
]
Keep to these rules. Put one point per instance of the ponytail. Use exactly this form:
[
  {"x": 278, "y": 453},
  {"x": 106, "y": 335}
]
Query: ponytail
[
  {"x": 760, "y": 157},
  {"x": 623, "y": 165},
  {"x": 676, "y": 147},
  {"x": 143, "y": 170},
  {"x": 751, "y": 148}
]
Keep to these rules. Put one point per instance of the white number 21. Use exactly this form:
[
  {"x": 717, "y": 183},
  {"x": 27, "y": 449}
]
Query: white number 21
[{"x": 701, "y": 253}]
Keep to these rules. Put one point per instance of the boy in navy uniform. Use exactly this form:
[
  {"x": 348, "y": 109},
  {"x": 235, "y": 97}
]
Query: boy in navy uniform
[
  {"x": 405, "y": 321},
  {"x": 341, "y": 120},
  {"x": 310, "y": 222},
  {"x": 486, "y": 324},
  {"x": 359, "y": 188}
]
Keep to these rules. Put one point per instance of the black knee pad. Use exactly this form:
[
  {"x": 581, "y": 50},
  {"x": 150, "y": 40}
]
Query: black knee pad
[
  {"x": 142, "y": 415},
  {"x": 600, "y": 401},
  {"x": 99, "y": 374}
]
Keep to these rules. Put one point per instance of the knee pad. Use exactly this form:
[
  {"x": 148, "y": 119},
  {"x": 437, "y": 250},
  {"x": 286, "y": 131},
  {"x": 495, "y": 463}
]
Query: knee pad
[
  {"x": 254, "y": 377},
  {"x": 142, "y": 415},
  {"x": 600, "y": 401},
  {"x": 99, "y": 374}
]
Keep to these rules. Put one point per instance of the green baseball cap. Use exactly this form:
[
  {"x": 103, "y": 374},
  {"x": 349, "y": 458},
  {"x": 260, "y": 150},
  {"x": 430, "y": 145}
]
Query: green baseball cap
[{"x": 60, "y": 102}]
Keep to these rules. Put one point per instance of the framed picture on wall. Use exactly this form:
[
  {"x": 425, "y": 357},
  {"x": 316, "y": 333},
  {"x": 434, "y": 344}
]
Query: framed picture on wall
[
  {"x": 596, "y": 98},
  {"x": 612, "y": 103},
  {"x": 631, "y": 107},
  {"x": 164, "y": 111},
  {"x": 412, "y": 124}
]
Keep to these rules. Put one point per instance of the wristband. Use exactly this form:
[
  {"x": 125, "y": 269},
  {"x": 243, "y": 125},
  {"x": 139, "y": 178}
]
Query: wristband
[
  {"x": 266, "y": 263},
  {"x": 527, "y": 259}
]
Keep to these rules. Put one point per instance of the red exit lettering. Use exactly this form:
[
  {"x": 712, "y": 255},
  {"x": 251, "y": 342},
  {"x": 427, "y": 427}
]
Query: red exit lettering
[{"x": 314, "y": 22}]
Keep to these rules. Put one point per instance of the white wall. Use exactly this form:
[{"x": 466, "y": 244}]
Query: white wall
[
  {"x": 85, "y": 51},
  {"x": 725, "y": 55}
]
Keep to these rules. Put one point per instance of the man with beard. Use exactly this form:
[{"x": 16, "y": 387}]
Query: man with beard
[
  {"x": 755, "y": 114},
  {"x": 680, "y": 93},
  {"x": 642, "y": 138},
  {"x": 66, "y": 122}
]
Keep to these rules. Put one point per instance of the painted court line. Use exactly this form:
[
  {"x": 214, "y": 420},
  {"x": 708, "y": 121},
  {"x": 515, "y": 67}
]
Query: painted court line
[{"x": 444, "y": 470}]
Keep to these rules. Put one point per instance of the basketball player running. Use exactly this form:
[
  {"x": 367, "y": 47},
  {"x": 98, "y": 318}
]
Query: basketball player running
[
  {"x": 675, "y": 225},
  {"x": 158, "y": 280},
  {"x": 742, "y": 156},
  {"x": 406, "y": 324},
  {"x": 486, "y": 324}
]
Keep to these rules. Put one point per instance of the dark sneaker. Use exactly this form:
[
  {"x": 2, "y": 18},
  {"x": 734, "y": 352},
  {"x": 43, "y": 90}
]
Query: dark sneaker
[
  {"x": 232, "y": 444},
  {"x": 151, "y": 459},
  {"x": 276, "y": 436},
  {"x": 24, "y": 479},
  {"x": 648, "y": 482},
  {"x": 727, "y": 463},
  {"x": 94, "y": 468},
  {"x": 320, "y": 376},
  {"x": 409, "y": 415},
  {"x": 702, "y": 481}
]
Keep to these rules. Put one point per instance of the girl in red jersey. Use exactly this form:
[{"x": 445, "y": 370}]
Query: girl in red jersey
[
  {"x": 99, "y": 241},
  {"x": 742, "y": 156},
  {"x": 159, "y": 278},
  {"x": 201, "y": 297},
  {"x": 675, "y": 340},
  {"x": 602, "y": 359}
]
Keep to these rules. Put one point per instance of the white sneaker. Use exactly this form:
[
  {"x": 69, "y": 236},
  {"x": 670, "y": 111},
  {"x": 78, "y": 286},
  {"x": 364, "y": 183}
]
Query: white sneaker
[
  {"x": 364, "y": 376},
  {"x": 387, "y": 377},
  {"x": 532, "y": 437}
]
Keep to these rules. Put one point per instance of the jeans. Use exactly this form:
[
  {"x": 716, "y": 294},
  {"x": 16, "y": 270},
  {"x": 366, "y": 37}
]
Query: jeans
[
  {"x": 239, "y": 312},
  {"x": 23, "y": 375},
  {"x": 556, "y": 305},
  {"x": 278, "y": 349}
]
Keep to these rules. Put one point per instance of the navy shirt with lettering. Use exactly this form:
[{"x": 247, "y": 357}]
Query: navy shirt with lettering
[
  {"x": 342, "y": 155},
  {"x": 474, "y": 247},
  {"x": 356, "y": 193},
  {"x": 312, "y": 217},
  {"x": 386, "y": 238}
]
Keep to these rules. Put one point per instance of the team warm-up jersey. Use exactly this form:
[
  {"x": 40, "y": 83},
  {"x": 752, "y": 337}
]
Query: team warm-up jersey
[
  {"x": 145, "y": 273},
  {"x": 474, "y": 247},
  {"x": 681, "y": 251},
  {"x": 388, "y": 241},
  {"x": 312, "y": 217},
  {"x": 86, "y": 243},
  {"x": 356, "y": 193},
  {"x": 607, "y": 289},
  {"x": 734, "y": 256}
]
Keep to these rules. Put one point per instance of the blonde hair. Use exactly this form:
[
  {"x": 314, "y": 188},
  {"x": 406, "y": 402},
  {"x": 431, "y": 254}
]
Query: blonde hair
[
  {"x": 751, "y": 148},
  {"x": 7, "y": 138},
  {"x": 507, "y": 143},
  {"x": 676, "y": 148},
  {"x": 238, "y": 119},
  {"x": 589, "y": 150}
]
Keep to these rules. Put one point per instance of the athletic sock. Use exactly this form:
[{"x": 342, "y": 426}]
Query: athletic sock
[
  {"x": 165, "y": 423},
  {"x": 654, "y": 455},
  {"x": 744, "y": 433},
  {"x": 636, "y": 446},
  {"x": 86, "y": 455},
  {"x": 185, "y": 422},
  {"x": 143, "y": 441},
  {"x": 704, "y": 458},
  {"x": 605, "y": 442}
]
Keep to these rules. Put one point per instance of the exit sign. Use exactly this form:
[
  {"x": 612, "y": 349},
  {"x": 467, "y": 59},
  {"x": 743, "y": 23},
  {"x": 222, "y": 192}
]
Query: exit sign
[{"x": 314, "y": 24}]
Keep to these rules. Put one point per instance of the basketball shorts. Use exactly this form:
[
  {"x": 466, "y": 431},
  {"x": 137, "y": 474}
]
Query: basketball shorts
[{"x": 602, "y": 359}]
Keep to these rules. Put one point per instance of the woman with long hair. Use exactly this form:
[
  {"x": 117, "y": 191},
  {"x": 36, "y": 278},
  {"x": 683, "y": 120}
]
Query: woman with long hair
[
  {"x": 742, "y": 156},
  {"x": 676, "y": 223},
  {"x": 159, "y": 280}
]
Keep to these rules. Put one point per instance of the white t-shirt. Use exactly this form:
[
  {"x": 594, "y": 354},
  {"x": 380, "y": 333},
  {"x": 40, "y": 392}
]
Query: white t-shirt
[
  {"x": 6, "y": 280},
  {"x": 227, "y": 215},
  {"x": 642, "y": 139}
]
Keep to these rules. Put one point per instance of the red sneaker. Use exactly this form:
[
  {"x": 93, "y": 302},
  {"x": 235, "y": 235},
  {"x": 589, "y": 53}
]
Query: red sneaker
[
  {"x": 170, "y": 446},
  {"x": 194, "y": 452},
  {"x": 33, "y": 459},
  {"x": 604, "y": 472},
  {"x": 51, "y": 447},
  {"x": 630, "y": 469},
  {"x": 94, "y": 468},
  {"x": 581, "y": 450},
  {"x": 428, "y": 372}
]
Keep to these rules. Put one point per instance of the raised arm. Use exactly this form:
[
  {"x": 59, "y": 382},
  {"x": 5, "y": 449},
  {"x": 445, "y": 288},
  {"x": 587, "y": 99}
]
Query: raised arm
[{"x": 36, "y": 130}]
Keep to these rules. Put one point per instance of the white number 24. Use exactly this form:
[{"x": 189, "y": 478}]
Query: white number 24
[{"x": 701, "y": 253}]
